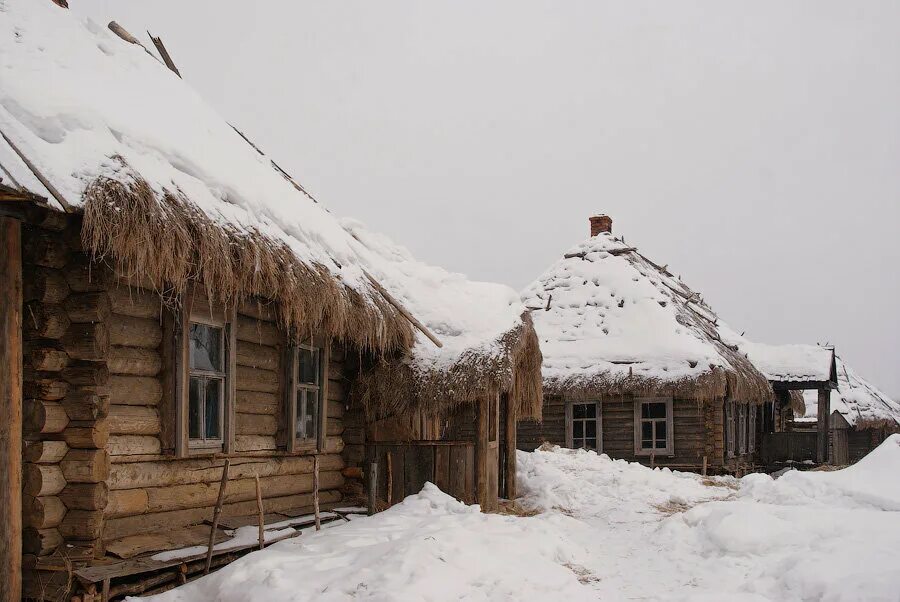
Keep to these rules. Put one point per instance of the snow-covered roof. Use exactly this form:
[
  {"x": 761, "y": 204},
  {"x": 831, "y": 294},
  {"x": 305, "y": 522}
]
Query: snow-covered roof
[
  {"x": 488, "y": 340},
  {"x": 792, "y": 362},
  {"x": 861, "y": 403},
  {"x": 171, "y": 191},
  {"x": 611, "y": 321}
]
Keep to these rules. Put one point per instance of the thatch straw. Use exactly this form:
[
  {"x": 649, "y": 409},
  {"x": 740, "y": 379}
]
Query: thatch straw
[
  {"x": 398, "y": 387},
  {"x": 170, "y": 242},
  {"x": 738, "y": 381}
]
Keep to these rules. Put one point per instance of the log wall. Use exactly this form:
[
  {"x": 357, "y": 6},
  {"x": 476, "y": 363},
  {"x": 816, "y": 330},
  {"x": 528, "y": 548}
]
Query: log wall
[
  {"x": 698, "y": 432},
  {"x": 151, "y": 490},
  {"x": 95, "y": 418}
]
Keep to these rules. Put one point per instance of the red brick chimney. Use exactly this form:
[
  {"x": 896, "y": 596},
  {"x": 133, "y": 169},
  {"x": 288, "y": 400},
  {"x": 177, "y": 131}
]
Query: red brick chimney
[{"x": 600, "y": 223}]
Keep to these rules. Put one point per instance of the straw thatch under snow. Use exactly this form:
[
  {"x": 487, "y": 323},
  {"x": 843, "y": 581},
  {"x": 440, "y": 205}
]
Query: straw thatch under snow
[
  {"x": 170, "y": 192},
  {"x": 489, "y": 343},
  {"x": 611, "y": 322}
]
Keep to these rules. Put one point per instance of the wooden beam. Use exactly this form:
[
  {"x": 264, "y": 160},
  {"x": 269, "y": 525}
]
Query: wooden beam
[
  {"x": 167, "y": 59},
  {"x": 412, "y": 319},
  {"x": 510, "y": 444},
  {"x": 11, "y": 409},
  {"x": 37, "y": 174},
  {"x": 482, "y": 430},
  {"x": 823, "y": 426}
]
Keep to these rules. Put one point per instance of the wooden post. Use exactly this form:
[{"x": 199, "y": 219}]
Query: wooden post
[
  {"x": 652, "y": 460},
  {"x": 511, "y": 489},
  {"x": 823, "y": 425},
  {"x": 10, "y": 409},
  {"x": 482, "y": 431},
  {"x": 216, "y": 512},
  {"x": 373, "y": 484},
  {"x": 316, "y": 491},
  {"x": 262, "y": 519},
  {"x": 390, "y": 478}
]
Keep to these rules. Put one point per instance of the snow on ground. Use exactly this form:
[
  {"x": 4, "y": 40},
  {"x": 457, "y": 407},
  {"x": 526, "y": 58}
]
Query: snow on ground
[{"x": 607, "y": 530}]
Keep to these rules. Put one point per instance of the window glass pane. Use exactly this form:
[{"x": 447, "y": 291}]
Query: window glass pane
[
  {"x": 590, "y": 443},
  {"x": 590, "y": 428},
  {"x": 577, "y": 429},
  {"x": 591, "y": 410},
  {"x": 660, "y": 435},
  {"x": 309, "y": 366},
  {"x": 655, "y": 410},
  {"x": 194, "y": 402},
  {"x": 213, "y": 408},
  {"x": 307, "y": 414},
  {"x": 579, "y": 410},
  {"x": 312, "y": 414},
  {"x": 206, "y": 348}
]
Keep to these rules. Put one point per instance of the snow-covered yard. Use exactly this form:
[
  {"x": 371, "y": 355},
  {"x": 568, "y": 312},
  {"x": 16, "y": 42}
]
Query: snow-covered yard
[{"x": 607, "y": 530}]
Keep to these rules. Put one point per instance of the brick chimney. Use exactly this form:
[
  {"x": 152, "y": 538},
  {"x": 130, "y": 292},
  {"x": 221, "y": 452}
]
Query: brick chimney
[{"x": 600, "y": 223}]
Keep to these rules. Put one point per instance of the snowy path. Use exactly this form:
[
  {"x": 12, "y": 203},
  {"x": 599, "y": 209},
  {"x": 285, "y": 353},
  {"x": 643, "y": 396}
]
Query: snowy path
[{"x": 608, "y": 530}]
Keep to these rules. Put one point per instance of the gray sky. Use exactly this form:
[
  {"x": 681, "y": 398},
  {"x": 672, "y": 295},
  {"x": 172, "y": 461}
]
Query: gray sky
[{"x": 754, "y": 147}]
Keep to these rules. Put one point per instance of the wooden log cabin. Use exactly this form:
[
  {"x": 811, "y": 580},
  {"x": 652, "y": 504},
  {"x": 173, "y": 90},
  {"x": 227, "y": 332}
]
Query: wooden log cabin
[
  {"x": 170, "y": 300},
  {"x": 634, "y": 364}
]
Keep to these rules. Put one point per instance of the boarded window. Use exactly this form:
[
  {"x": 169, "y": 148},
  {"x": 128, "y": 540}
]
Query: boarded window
[
  {"x": 653, "y": 427},
  {"x": 583, "y": 429}
]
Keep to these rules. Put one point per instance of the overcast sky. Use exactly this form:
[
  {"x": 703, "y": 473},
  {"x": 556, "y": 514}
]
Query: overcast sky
[{"x": 753, "y": 147}]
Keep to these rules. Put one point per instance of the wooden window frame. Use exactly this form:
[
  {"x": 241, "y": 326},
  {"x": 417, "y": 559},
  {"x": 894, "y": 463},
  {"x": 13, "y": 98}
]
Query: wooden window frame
[
  {"x": 730, "y": 431},
  {"x": 751, "y": 428},
  {"x": 570, "y": 421},
  {"x": 217, "y": 444},
  {"x": 316, "y": 445},
  {"x": 184, "y": 446},
  {"x": 741, "y": 429},
  {"x": 669, "y": 450}
]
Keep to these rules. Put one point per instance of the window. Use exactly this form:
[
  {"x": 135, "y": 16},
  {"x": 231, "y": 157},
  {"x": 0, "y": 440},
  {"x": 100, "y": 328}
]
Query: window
[
  {"x": 306, "y": 396},
  {"x": 197, "y": 417},
  {"x": 206, "y": 386},
  {"x": 742, "y": 428},
  {"x": 583, "y": 428},
  {"x": 653, "y": 427},
  {"x": 751, "y": 429},
  {"x": 729, "y": 429}
]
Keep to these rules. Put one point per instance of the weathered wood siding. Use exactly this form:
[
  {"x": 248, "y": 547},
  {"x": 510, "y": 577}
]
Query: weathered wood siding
[{"x": 698, "y": 431}]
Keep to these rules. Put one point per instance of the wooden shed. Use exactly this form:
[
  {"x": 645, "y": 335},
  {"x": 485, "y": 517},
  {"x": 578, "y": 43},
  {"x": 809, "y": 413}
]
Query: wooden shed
[
  {"x": 172, "y": 303},
  {"x": 635, "y": 366}
]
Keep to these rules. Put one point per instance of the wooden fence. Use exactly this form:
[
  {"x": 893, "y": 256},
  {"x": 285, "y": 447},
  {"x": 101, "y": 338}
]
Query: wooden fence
[
  {"x": 783, "y": 447},
  {"x": 404, "y": 468}
]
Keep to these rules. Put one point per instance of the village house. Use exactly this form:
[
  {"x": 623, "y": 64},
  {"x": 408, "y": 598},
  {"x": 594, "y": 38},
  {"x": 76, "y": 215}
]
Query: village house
[
  {"x": 177, "y": 312},
  {"x": 634, "y": 364}
]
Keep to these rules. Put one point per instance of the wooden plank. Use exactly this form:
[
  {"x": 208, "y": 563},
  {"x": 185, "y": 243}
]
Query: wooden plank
[
  {"x": 469, "y": 474},
  {"x": 398, "y": 461},
  {"x": 236, "y": 522},
  {"x": 183, "y": 537},
  {"x": 457, "y": 472},
  {"x": 442, "y": 467}
]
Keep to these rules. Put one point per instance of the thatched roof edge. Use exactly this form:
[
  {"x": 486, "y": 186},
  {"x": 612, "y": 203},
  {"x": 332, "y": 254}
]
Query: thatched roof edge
[
  {"x": 512, "y": 366},
  {"x": 169, "y": 242}
]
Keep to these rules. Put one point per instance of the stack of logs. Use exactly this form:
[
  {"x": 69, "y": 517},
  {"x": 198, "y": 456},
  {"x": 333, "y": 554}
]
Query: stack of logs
[{"x": 67, "y": 343}]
